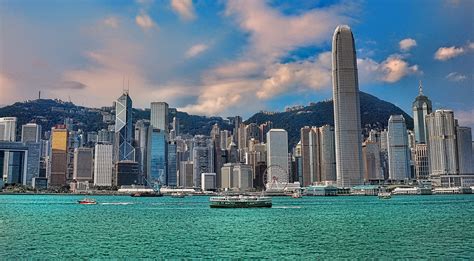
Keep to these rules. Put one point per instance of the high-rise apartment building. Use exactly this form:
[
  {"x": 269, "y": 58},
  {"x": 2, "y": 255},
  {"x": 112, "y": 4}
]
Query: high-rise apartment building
[
  {"x": 398, "y": 151},
  {"x": 349, "y": 167}
]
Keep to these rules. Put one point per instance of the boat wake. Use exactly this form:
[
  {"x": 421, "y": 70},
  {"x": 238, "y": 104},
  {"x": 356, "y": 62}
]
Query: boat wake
[
  {"x": 286, "y": 207},
  {"x": 117, "y": 203}
]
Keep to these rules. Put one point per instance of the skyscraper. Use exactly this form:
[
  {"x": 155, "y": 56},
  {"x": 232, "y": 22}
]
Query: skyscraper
[
  {"x": 203, "y": 158},
  {"x": 31, "y": 132},
  {"x": 142, "y": 134},
  {"x": 349, "y": 166},
  {"x": 327, "y": 153},
  {"x": 59, "y": 156},
  {"x": 442, "y": 143},
  {"x": 103, "y": 165},
  {"x": 124, "y": 149},
  {"x": 172, "y": 179},
  {"x": 8, "y": 128},
  {"x": 464, "y": 146},
  {"x": 159, "y": 116},
  {"x": 310, "y": 155},
  {"x": 421, "y": 108},
  {"x": 157, "y": 157},
  {"x": 83, "y": 164},
  {"x": 398, "y": 152},
  {"x": 277, "y": 155}
]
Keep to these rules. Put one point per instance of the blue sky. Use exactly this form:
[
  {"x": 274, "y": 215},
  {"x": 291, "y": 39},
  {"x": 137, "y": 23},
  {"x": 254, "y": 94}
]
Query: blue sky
[{"x": 234, "y": 57}]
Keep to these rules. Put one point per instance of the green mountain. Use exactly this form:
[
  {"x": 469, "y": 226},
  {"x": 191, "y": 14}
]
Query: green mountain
[
  {"x": 47, "y": 113},
  {"x": 374, "y": 114}
]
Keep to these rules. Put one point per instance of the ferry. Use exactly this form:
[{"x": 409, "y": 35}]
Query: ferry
[
  {"x": 178, "y": 195},
  {"x": 384, "y": 195},
  {"x": 87, "y": 201},
  {"x": 240, "y": 201}
]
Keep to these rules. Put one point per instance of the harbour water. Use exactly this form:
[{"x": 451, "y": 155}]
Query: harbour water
[{"x": 55, "y": 227}]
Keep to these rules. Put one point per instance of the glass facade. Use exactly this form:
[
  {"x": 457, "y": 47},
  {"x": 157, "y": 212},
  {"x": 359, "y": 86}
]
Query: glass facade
[{"x": 158, "y": 157}]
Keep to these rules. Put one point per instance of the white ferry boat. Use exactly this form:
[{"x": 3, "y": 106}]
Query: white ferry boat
[{"x": 240, "y": 201}]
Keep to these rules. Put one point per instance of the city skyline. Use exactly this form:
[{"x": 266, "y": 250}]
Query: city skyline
[{"x": 243, "y": 62}]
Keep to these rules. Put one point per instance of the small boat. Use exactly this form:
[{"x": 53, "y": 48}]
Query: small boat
[
  {"x": 240, "y": 201},
  {"x": 296, "y": 194},
  {"x": 87, "y": 201},
  {"x": 146, "y": 194},
  {"x": 178, "y": 195},
  {"x": 384, "y": 195}
]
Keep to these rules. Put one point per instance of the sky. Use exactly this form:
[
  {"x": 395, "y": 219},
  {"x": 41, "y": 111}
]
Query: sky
[{"x": 234, "y": 57}]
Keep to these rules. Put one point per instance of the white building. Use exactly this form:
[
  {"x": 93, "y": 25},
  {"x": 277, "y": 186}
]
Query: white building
[
  {"x": 208, "y": 181},
  {"x": 8, "y": 129},
  {"x": 277, "y": 156},
  {"x": 242, "y": 177},
  {"x": 103, "y": 165},
  {"x": 398, "y": 151}
]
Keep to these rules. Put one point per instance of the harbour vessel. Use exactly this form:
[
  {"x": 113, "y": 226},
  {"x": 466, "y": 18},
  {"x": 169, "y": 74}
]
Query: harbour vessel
[
  {"x": 178, "y": 195},
  {"x": 87, "y": 201},
  {"x": 240, "y": 201},
  {"x": 384, "y": 195}
]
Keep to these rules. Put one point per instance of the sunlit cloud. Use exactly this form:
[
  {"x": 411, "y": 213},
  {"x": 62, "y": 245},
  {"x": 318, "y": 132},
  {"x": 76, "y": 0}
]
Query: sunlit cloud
[
  {"x": 184, "y": 8},
  {"x": 196, "y": 50},
  {"x": 407, "y": 44}
]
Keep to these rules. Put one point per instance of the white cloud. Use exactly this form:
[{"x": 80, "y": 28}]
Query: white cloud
[
  {"x": 391, "y": 70},
  {"x": 456, "y": 77},
  {"x": 111, "y": 21},
  {"x": 407, "y": 44},
  {"x": 144, "y": 21},
  {"x": 312, "y": 74},
  {"x": 184, "y": 8},
  {"x": 446, "y": 53},
  {"x": 196, "y": 50}
]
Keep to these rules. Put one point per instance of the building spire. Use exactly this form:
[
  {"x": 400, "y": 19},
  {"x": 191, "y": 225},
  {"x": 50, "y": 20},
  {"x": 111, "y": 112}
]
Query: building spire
[{"x": 420, "y": 89}]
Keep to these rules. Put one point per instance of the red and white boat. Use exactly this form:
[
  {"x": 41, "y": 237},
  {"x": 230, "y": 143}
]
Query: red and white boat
[{"x": 87, "y": 201}]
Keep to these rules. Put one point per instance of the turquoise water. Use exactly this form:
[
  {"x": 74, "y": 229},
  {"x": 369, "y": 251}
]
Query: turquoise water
[{"x": 54, "y": 227}]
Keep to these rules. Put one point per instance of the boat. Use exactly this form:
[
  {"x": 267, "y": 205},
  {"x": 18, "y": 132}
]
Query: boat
[
  {"x": 296, "y": 194},
  {"x": 240, "y": 201},
  {"x": 178, "y": 195},
  {"x": 147, "y": 194},
  {"x": 384, "y": 195},
  {"x": 87, "y": 201}
]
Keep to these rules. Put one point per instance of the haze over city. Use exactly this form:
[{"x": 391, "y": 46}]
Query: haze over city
[{"x": 218, "y": 57}]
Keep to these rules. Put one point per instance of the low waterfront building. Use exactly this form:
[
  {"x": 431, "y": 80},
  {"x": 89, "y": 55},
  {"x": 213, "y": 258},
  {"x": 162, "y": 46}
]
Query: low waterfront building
[
  {"x": 319, "y": 190},
  {"x": 365, "y": 190}
]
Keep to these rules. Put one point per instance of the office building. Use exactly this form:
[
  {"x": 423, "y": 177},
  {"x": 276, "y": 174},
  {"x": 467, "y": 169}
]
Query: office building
[
  {"x": 127, "y": 173},
  {"x": 242, "y": 178},
  {"x": 464, "y": 146},
  {"x": 422, "y": 166},
  {"x": 442, "y": 144},
  {"x": 8, "y": 129},
  {"x": 371, "y": 159},
  {"x": 203, "y": 158},
  {"x": 159, "y": 116},
  {"x": 103, "y": 165},
  {"x": 142, "y": 134},
  {"x": 157, "y": 157},
  {"x": 421, "y": 108},
  {"x": 172, "y": 165},
  {"x": 176, "y": 126},
  {"x": 19, "y": 162},
  {"x": 123, "y": 141},
  {"x": 398, "y": 151},
  {"x": 83, "y": 164},
  {"x": 208, "y": 182},
  {"x": 186, "y": 174},
  {"x": 105, "y": 136},
  {"x": 59, "y": 156},
  {"x": 277, "y": 156},
  {"x": 30, "y": 132},
  {"x": 347, "y": 126},
  {"x": 310, "y": 155},
  {"x": 327, "y": 154}
]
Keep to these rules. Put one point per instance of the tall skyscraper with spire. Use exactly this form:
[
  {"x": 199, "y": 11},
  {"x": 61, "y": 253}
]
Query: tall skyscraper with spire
[
  {"x": 349, "y": 168},
  {"x": 421, "y": 108},
  {"x": 124, "y": 149}
]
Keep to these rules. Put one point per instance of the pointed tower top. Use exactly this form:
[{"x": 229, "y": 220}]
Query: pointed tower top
[{"x": 420, "y": 89}]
